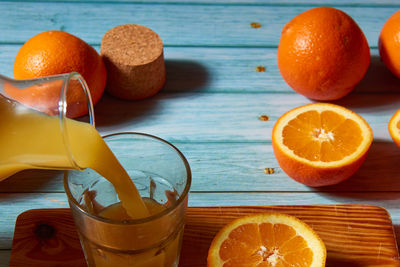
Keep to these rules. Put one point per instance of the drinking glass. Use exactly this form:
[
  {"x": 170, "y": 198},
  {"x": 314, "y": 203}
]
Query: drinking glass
[
  {"x": 162, "y": 176},
  {"x": 34, "y": 121}
]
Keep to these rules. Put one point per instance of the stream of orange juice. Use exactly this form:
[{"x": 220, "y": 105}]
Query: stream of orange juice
[{"x": 31, "y": 140}]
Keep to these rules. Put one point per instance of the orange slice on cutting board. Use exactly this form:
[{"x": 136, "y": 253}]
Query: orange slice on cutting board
[
  {"x": 267, "y": 240},
  {"x": 321, "y": 144},
  {"x": 394, "y": 127}
]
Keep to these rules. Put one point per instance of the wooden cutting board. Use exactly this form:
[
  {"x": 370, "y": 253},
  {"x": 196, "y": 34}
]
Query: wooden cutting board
[{"x": 355, "y": 235}]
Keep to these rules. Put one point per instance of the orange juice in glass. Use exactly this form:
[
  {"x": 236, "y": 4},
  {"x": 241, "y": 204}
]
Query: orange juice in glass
[{"x": 109, "y": 235}]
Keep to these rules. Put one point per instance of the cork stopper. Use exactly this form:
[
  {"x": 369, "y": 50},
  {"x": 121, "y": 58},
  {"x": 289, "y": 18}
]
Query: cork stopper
[{"x": 134, "y": 59}]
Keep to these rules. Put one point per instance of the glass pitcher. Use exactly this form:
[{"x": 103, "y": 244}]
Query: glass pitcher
[{"x": 34, "y": 121}]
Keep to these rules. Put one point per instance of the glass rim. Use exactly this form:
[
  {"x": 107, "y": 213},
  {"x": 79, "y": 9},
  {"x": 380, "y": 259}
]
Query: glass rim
[
  {"x": 63, "y": 106},
  {"x": 156, "y": 216}
]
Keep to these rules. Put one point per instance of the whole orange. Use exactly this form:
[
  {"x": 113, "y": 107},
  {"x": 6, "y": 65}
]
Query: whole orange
[
  {"x": 389, "y": 44},
  {"x": 56, "y": 52},
  {"x": 323, "y": 54}
]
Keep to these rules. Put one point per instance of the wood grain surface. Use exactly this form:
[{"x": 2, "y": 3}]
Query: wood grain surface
[
  {"x": 46, "y": 238},
  {"x": 355, "y": 235},
  {"x": 186, "y": 25}
]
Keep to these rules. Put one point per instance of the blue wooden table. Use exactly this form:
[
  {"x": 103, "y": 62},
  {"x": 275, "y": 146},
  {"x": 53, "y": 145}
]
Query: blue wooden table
[{"x": 215, "y": 94}]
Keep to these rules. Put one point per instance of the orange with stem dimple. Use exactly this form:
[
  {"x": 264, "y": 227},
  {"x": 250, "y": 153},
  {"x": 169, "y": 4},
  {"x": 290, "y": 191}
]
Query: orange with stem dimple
[
  {"x": 322, "y": 53},
  {"x": 267, "y": 240},
  {"x": 321, "y": 144}
]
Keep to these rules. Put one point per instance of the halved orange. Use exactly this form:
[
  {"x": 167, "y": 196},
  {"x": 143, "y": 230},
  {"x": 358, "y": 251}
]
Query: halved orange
[
  {"x": 394, "y": 127},
  {"x": 267, "y": 240},
  {"x": 321, "y": 144}
]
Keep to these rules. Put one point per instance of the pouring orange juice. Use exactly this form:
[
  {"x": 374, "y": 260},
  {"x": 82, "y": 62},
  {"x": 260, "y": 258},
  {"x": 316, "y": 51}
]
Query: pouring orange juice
[
  {"x": 112, "y": 237},
  {"x": 118, "y": 223}
]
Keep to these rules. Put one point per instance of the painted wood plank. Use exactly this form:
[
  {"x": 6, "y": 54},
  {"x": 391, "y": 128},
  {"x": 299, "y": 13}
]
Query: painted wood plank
[
  {"x": 232, "y": 70},
  {"x": 241, "y": 2},
  {"x": 14, "y": 204},
  {"x": 237, "y": 70},
  {"x": 240, "y": 167},
  {"x": 217, "y": 117},
  {"x": 189, "y": 25}
]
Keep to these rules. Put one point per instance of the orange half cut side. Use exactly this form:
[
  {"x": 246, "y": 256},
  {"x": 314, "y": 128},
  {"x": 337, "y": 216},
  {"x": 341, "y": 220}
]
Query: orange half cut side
[
  {"x": 321, "y": 144},
  {"x": 267, "y": 240}
]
